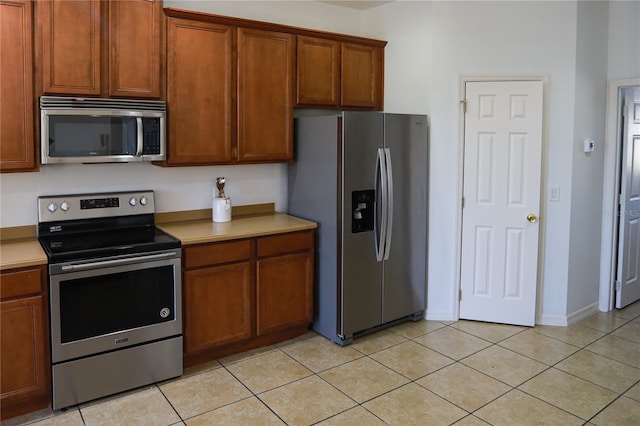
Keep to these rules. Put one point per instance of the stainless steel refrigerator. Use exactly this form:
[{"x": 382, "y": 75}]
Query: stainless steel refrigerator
[{"x": 362, "y": 176}]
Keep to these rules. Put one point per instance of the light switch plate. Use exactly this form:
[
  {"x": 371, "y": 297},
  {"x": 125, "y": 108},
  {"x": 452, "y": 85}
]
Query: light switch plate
[{"x": 589, "y": 145}]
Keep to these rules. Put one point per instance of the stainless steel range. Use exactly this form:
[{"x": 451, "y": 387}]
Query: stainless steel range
[{"x": 115, "y": 294}]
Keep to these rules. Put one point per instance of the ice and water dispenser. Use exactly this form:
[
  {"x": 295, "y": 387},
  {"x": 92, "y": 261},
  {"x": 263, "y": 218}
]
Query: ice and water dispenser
[{"x": 362, "y": 210}]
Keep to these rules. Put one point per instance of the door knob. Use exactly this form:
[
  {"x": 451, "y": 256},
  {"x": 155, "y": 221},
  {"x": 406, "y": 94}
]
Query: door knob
[{"x": 532, "y": 218}]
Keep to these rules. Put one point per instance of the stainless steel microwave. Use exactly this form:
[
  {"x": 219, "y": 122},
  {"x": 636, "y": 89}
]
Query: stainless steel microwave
[{"x": 98, "y": 130}]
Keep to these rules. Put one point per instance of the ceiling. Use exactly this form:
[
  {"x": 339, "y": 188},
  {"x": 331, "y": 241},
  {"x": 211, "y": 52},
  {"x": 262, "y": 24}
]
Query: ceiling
[{"x": 357, "y": 4}]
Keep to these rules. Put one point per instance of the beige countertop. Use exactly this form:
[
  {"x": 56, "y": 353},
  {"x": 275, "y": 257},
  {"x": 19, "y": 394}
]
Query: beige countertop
[
  {"x": 21, "y": 253},
  {"x": 205, "y": 231}
]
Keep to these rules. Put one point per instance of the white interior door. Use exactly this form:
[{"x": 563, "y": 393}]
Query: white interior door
[
  {"x": 502, "y": 166},
  {"x": 627, "y": 279}
]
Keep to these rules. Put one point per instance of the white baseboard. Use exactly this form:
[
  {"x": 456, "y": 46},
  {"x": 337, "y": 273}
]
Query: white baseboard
[
  {"x": 439, "y": 316},
  {"x": 563, "y": 321},
  {"x": 554, "y": 320},
  {"x": 582, "y": 313}
]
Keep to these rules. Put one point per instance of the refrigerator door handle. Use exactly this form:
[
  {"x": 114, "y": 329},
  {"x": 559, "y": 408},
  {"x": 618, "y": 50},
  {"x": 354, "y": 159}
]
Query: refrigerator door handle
[
  {"x": 387, "y": 241},
  {"x": 381, "y": 188}
]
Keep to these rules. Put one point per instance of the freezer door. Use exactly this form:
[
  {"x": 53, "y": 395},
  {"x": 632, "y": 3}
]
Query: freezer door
[
  {"x": 360, "y": 289},
  {"x": 404, "y": 284}
]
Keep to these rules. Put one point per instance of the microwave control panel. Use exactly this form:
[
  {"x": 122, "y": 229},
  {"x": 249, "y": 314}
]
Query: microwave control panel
[{"x": 151, "y": 136}]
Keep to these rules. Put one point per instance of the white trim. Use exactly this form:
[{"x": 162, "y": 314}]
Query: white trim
[
  {"x": 612, "y": 148},
  {"x": 543, "y": 185},
  {"x": 439, "y": 316},
  {"x": 581, "y": 314},
  {"x": 553, "y": 320},
  {"x": 563, "y": 321}
]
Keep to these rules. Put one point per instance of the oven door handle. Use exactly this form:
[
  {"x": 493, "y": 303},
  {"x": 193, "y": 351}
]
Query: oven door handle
[{"x": 116, "y": 262}]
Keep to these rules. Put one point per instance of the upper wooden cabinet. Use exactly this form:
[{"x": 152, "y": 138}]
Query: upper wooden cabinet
[
  {"x": 17, "y": 148},
  {"x": 200, "y": 76},
  {"x": 339, "y": 74},
  {"x": 96, "y": 48},
  {"x": 362, "y": 76},
  {"x": 232, "y": 85},
  {"x": 265, "y": 95},
  {"x": 318, "y": 79},
  {"x": 229, "y": 94},
  {"x": 135, "y": 48}
]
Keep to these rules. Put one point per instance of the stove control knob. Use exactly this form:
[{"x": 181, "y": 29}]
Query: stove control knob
[
  {"x": 143, "y": 201},
  {"x": 52, "y": 207},
  {"x": 64, "y": 206},
  {"x": 133, "y": 201}
]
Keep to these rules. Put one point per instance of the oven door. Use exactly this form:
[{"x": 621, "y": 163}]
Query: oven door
[{"x": 107, "y": 304}]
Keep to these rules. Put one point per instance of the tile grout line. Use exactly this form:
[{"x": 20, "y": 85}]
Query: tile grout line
[
  {"x": 368, "y": 355},
  {"x": 619, "y": 394},
  {"x": 170, "y": 404},
  {"x": 317, "y": 374},
  {"x": 253, "y": 394},
  {"x": 612, "y": 402},
  {"x": 548, "y": 367}
]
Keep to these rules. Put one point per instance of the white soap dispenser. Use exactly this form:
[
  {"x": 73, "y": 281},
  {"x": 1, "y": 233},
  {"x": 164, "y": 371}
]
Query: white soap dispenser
[{"x": 221, "y": 206}]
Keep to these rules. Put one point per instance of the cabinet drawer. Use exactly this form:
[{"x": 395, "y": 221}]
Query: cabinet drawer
[
  {"x": 217, "y": 253},
  {"x": 285, "y": 243},
  {"x": 20, "y": 283}
]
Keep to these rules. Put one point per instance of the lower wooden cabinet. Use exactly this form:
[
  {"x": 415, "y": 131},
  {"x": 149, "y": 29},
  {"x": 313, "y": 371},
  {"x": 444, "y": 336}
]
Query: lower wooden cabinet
[
  {"x": 24, "y": 356},
  {"x": 246, "y": 293},
  {"x": 218, "y": 301},
  {"x": 284, "y": 262},
  {"x": 282, "y": 301}
]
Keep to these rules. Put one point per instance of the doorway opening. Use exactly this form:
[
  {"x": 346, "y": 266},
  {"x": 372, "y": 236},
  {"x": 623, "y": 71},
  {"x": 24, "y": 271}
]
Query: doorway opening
[{"x": 620, "y": 252}]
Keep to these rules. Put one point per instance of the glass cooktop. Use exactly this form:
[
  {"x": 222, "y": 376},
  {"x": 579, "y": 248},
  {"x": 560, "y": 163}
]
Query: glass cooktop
[{"x": 85, "y": 245}]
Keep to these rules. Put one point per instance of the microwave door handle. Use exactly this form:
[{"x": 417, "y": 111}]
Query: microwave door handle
[{"x": 139, "y": 136}]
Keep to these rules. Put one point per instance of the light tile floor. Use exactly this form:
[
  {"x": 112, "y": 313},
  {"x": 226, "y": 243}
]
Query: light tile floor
[{"x": 428, "y": 372}]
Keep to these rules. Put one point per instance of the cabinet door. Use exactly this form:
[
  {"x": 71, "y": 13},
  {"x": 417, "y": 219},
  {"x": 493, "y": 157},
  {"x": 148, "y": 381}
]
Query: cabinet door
[
  {"x": 199, "y": 92},
  {"x": 23, "y": 358},
  {"x": 284, "y": 292},
  {"x": 134, "y": 48},
  {"x": 362, "y": 76},
  {"x": 217, "y": 306},
  {"x": 265, "y": 95},
  {"x": 70, "y": 46},
  {"x": 318, "y": 72},
  {"x": 17, "y": 149}
]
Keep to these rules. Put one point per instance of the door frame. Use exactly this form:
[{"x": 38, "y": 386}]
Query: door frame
[
  {"x": 463, "y": 80},
  {"x": 612, "y": 152}
]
